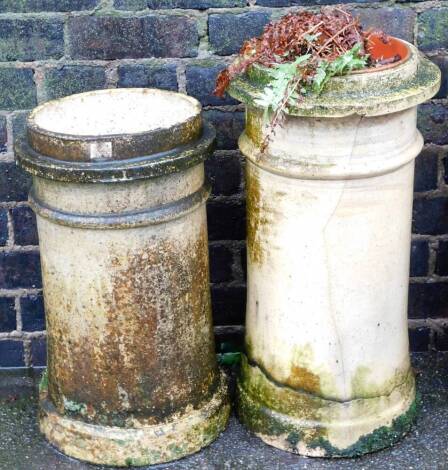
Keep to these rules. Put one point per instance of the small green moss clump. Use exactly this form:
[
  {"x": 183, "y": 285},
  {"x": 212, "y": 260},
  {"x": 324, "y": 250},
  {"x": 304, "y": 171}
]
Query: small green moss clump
[{"x": 43, "y": 384}]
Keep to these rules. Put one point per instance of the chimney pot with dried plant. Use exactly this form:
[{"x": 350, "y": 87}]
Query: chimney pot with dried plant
[{"x": 330, "y": 143}]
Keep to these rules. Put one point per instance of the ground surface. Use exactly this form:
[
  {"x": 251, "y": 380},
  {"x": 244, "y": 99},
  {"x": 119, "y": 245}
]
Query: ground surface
[{"x": 425, "y": 448}]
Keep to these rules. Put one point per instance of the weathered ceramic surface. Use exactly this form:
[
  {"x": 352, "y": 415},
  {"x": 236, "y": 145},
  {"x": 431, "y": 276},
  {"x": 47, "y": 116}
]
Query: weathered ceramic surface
[
  {"x": 72, "y": 128},
  {"x": 329, "y": 207},
  {"x": 368, "y": 94},
  {"x": 132, "y": 373}
]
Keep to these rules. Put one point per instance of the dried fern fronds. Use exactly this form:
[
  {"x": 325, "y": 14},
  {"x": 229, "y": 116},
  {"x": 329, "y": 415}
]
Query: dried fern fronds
[{"x": 325, "y": 35}]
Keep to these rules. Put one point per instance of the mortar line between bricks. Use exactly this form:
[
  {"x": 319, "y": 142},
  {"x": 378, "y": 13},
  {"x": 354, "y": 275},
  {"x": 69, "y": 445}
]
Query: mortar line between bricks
[
  {"x": 66, "y": 39},
  {"x": 38, "y": 78},
  {"x": 13, "y": 204},
  {"x": 7, "y": 158},
  {"x": 181, "y": 77},
  {"x": 428, "y": 279},
  {"x": 214, "y": 58},
  {"x": 226, "y": 284},
  {"x": 432, "y": 194},
  {"x": 18, "y": 309},
  {"x": 429, "y": 237},
  {"x": 20, "y": 291},
  {"x": 438, "y": 322},
  {"x": 10, "y": 227},
  {"x": 111, "y": 73},
  {"x": 9, "y": 136},
  {"x": 416, "y": 323},
  {"x": 228, "y": 329},
  {"x": 281, "y": 10},
  {"x": 19, "y": 249},
  {"x": 231, "y": 198},
  {"x": 227, "y": 243},
  {"x": 48, "y": 15},
  {"x": 27, "y": 352},
  {"x": 23, "y": 335}
]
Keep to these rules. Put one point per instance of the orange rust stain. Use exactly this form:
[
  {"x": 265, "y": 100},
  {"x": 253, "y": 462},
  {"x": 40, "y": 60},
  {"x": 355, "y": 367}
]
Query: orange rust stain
[
  {"x": 156, "y": 355},
  {"x": 256, "y": 216},
  {"x": 303, "y": 379}
]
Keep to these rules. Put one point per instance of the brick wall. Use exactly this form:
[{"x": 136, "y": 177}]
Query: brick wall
[{"x": 52, "y": 48}]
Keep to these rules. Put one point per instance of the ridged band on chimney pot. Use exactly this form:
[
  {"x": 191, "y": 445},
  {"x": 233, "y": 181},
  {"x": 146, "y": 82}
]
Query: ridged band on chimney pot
[
  {"x": 119, "y": 193},
  {"x": 329, "y": 207}
]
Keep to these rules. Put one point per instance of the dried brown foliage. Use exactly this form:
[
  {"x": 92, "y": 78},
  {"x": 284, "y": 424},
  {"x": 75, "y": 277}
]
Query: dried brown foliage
[{"x": 324, "y": 35}]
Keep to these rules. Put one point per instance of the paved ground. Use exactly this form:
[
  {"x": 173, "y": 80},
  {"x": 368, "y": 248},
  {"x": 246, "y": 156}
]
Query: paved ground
[{"x": 425, "y": 448}]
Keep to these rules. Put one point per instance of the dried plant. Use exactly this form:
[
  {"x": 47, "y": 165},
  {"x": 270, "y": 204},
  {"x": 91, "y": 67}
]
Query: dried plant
[{"x": 301, "y": 52}]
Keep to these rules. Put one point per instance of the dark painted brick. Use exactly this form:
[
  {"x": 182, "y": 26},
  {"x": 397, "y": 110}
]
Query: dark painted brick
[
  {"x": 3, "y": 134},
  {"x": 419, "y": 258},
  {"x": 71, "y": 79},
  {"x": 430, "y": 216},
  {"x": 426, "y": 169},
  {"x": 433, "y": 29},
  {"x": 221, "y": 259},
  {"x": 33, "y": 313},
  {"x": 11, "y": 353},
  {"x": 17, "y": 89},
  {"x": 229, "y": 305},
  {"x": 24, "y": 224},
  {"x": 433, "y": 122},
  {"x": 441, "y": 339},
  {"x": 29, "y": 6},
  {"x": 7, "y": 315},
  {"x": 19, "y": 124},
  {"x": 193, "y": 4},
  {"x": 14, "y": 183},
  {"x": 243, "y": 255},
  {"x": 143, "y": 76},
  {"x": 3, "y": 227},
  {"x": 38, "y": 352},
  {"x": 442, "y": 259},
  {"x": 31, "y": 39},
  {"x": 419, "y": 339},
  {"x": 224, "y": 172},
  {"x": 227, "y": 31},
  {"x": 445, "y": 164},
  {"x": 19, "y": 270},
  {"x": 201, "y": 83},
  {"x": 115, "y": 37},
  {"x": 428, "y": 300},
  {"x": 228, "y": 125},
  {"x": 442, "y": 62},
  {"x": 395, "y": 21},
  {"x": 226, "y": 220}
]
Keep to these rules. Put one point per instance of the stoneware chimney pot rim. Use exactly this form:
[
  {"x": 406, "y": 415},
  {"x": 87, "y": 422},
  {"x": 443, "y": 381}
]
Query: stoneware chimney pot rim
[
  {"x": 114, "y": 157},
  {"x": 375, "y": 92}
]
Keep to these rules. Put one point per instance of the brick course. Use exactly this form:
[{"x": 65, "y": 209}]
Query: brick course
[
  {"x": 52, "y": 48},
  {"x": 115, "y": 37}
]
